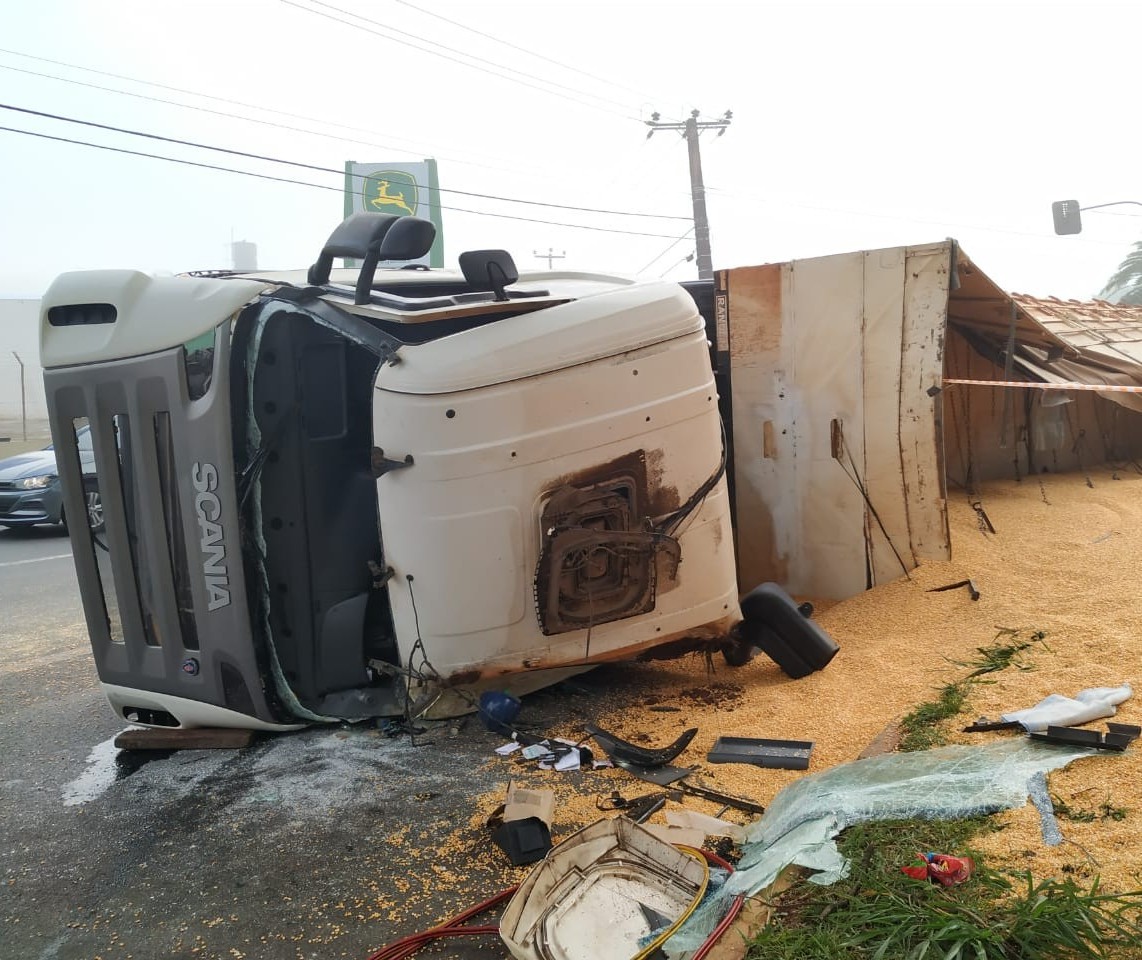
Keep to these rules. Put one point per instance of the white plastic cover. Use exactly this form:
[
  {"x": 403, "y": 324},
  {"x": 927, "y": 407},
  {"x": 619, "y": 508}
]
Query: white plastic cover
[{"x": 1093, "y": 703}]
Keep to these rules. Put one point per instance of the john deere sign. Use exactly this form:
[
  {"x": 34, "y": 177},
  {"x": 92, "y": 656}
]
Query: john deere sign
[{"x": 402, "y": 189}]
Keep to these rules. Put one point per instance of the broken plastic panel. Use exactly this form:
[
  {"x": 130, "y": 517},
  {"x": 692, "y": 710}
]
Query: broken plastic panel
[{"x": 776, "y": 754}]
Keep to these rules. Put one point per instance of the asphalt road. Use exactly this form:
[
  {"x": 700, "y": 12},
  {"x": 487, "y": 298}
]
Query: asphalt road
[{"x": 320, "y": 844}]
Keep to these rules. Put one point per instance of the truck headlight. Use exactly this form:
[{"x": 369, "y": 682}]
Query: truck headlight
[{"x": 35, "y": 483}]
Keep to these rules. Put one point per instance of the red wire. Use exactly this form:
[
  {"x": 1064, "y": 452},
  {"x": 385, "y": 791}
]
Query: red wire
[{"x": 407, "y": 946}]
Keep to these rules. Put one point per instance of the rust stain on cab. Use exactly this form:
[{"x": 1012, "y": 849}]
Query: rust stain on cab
[{"x": 755, "y": 310}]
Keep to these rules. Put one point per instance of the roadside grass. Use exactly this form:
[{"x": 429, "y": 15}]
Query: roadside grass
[
  {"x": 879, "y": 913},
  {"x": 924, "y": 727}
]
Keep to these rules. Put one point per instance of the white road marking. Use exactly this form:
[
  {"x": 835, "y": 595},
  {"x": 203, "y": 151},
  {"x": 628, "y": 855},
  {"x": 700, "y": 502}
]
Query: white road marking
[{"x": 16, "y": 563}]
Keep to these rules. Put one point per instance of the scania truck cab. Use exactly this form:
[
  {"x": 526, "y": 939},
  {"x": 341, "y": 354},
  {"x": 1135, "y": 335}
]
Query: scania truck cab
[{"x": 349, "y": 493}]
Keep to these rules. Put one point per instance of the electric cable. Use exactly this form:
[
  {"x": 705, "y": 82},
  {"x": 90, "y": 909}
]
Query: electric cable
[
  {"x": 319, "y": 186},
  {"x": 310, "y": 166},
  {"x": 471, "y": 56},
  {"x": 525, "y": 50},
  {"x": 452, "y": 59},
  {"x": 666, "y": 251}
]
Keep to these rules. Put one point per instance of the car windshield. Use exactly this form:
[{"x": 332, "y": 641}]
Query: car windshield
[{"x": 82, "y": 440}]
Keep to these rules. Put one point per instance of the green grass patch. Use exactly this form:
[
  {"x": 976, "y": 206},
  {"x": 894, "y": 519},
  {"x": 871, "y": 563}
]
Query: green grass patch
[
  {"x": 877, "y": 912},
  {"x": 1005, "y": 650},
  {"x": 923, "y": 728},
  {"x": 1104, "y": 811}
]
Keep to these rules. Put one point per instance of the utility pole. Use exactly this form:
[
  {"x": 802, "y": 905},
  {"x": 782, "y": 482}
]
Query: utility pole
[
  {"x": 691, "y": 129},
  {"x": 23, "y": 398},
  {"x": 551, "y": 256}
]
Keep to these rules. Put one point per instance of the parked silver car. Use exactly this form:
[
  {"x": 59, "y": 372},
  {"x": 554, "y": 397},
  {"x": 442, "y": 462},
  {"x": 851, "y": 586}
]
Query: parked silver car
[{"x": 30, "y": 488}]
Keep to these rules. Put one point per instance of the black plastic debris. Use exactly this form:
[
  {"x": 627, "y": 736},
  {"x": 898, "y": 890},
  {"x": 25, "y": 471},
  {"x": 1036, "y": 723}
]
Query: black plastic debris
[
  {"x": 777, "y": 626},
  {"x": 775, "y": 754},
  {"x": 661, "y": 776},
  {"x": 984, "y": 725},
  {"x": 726, "y": 799},
  {"x": 973, "y": 591},
  {"x": 1118, "y": 736},
  {"x": 524, "y": 841},
  {"x": 620, "y": 750}
]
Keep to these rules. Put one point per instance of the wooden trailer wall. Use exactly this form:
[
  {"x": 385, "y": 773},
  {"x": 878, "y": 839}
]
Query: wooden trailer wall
[{"x": 998, "y": 433}]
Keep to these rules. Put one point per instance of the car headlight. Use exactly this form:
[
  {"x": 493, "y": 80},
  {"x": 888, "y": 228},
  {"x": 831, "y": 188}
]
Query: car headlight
[{"x": 35, "y": 483}]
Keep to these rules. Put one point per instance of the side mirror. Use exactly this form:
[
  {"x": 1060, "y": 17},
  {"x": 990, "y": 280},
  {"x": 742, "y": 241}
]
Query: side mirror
[{"x": 1068, "y": 220}]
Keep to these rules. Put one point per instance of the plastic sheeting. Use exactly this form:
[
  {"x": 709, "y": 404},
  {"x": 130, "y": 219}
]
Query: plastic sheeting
[
  {"x": 961, "y": 781},
  {"x": 1093, "y": 703},
  {"x": 801, "y": 825}
]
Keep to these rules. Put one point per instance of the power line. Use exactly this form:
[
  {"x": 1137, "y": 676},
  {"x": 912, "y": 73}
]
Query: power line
[
  {"x": 685, "y": 259},
  {"x": 513, "y": 46},
  {"x": 310, "y": 166},
  {"x": 319, "y": 186},
  {"x": 213, "y": 112},
  {"x": 411, "y": 144},
  {"x": 869, "y": 214},
  {"x": 666, "y": 251},
  {"x": 463, "y": 63}
]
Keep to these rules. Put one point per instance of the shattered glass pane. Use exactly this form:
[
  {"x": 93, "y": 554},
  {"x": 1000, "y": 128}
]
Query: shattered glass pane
[
  {"x": 946, "y": 783},
  {"x": 801, "y": 825}
]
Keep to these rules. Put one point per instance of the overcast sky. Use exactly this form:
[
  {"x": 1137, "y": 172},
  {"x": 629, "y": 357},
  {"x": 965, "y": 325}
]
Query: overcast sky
[{"x": 854, "y": 126}]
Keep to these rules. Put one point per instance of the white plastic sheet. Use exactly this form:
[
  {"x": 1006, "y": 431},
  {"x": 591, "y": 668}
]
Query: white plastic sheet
[{"x": 1093, "y": 703}]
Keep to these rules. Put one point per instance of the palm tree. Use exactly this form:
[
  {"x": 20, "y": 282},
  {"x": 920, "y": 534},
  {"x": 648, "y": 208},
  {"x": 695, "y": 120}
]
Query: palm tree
[{"x": 1125, "y": 284}]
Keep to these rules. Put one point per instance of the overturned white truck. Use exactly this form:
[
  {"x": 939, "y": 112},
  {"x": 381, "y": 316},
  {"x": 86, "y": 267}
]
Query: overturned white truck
[{"x": 341, "y": 494}]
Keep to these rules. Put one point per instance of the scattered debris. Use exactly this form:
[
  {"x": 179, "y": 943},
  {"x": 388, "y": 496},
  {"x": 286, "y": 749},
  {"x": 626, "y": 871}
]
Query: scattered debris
[
  {"x": 1118, "y": 736},
  {"x": 1041, "y": 800},
  {"x": 973, "y": 592},
  {"x": 678, "y": 836},
  {"x": 522, "y": 826},
  {"x": 624, "y": 752},
  {"x": 743, "y": 804},
  {"x": 775, "y": 754},
  {"x": 1056, "y": 710},
  {"x": 497, "y": 710},
  {"x": 710, "y": 826},
  {"x": 986, "y": 725},
  {"x": 805, "y": 816},
  {"x": 985, "y": 525},
  {"x": 661, "y": 776},
  {"x": 567, "y": 906},
  {"x": 940, "y": 868}
]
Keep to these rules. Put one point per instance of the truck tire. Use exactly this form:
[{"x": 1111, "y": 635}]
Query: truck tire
[{"x": 738, "y": 651}]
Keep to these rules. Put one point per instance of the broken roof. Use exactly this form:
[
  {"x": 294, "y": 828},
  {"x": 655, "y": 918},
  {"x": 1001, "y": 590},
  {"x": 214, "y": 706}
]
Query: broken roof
[{"x": 1089, "y": 342}]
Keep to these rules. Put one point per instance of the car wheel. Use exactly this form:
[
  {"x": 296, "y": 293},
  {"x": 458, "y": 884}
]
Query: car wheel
[{"x": 94, "y": 505}]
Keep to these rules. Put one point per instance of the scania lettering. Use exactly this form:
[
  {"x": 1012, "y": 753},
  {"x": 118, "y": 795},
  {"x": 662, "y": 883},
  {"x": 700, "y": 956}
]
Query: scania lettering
[{"x": 209, "y": 510}]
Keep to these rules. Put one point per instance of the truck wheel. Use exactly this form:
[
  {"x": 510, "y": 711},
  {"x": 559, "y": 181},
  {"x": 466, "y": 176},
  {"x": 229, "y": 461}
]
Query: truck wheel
[{"x": 736, "y": 651}]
